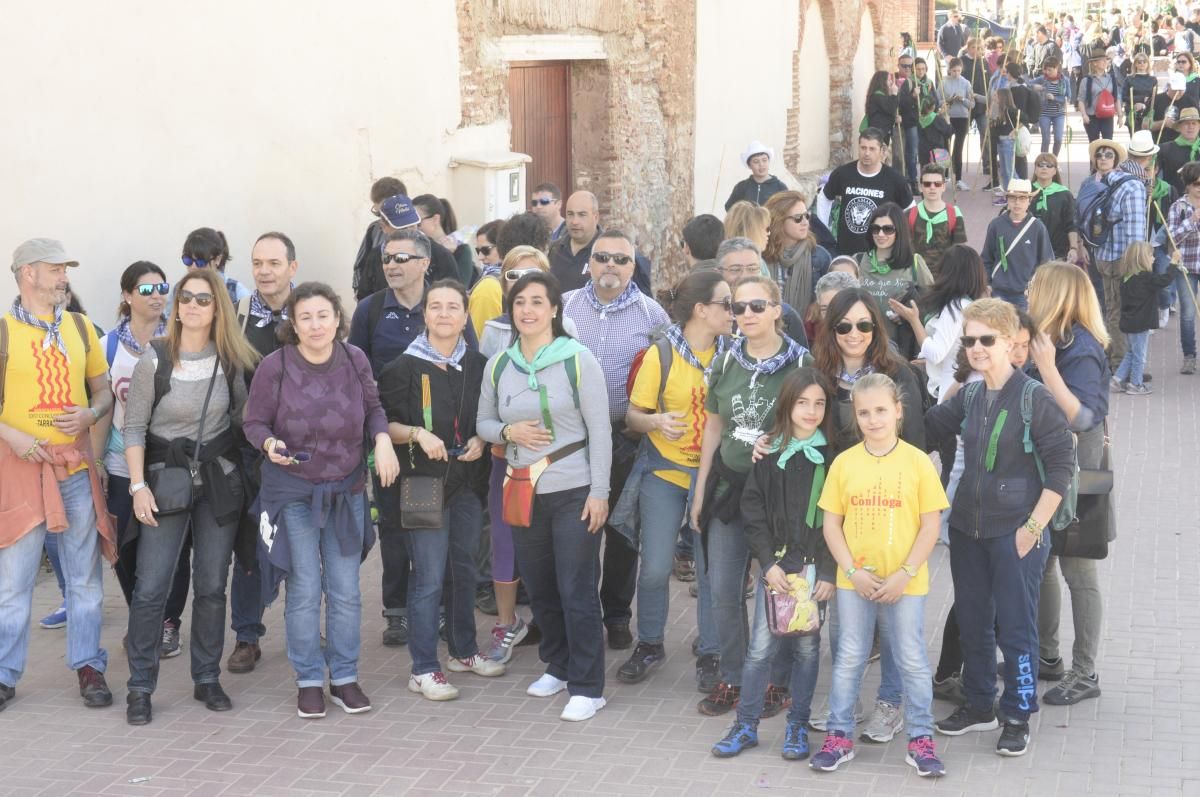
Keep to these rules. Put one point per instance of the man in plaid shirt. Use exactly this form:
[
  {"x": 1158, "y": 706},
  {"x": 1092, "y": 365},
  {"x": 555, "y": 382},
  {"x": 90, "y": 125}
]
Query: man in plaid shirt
[{"x": 1183, "y": 225}]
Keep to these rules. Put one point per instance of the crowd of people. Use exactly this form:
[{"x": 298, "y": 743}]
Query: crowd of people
[{"x": 518, "y": 420}]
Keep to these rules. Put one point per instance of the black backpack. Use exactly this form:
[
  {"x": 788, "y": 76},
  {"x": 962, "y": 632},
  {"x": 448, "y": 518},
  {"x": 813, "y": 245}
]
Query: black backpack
[{"x": 1092, "y": 209}]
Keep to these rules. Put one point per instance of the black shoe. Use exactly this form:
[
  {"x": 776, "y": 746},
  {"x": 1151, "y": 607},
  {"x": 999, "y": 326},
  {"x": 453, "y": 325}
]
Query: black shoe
[
  {"x": 696, "y": 647},
  {"x": 7, "y": 693},
  {"x": 396, "y": 633},
  {"x": 619, "y": 637},
  {"x": 708, "y": 672},
  {"x": 485, "y": 600},
  {"x": 1050, "y": 669},
  {"x": 532, "y": 637},
  {"x": 137, "y": 708},
  {"x": 1014, "y": 739},
  {"x": 967, "y": 719},
  {"x": 1146, "y": 377},
  {"x": 92, "y": 688},
  {"x": 212, "y": 696},
  {"x": 646, "y": 659}
]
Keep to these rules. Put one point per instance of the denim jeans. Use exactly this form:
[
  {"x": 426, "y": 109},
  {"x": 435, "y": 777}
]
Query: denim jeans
[
  {"x": 661, "y": 506},
  {"x": 455, "y": 543},
  {"x": 157, "y": 556},
  {"x": 1162, "y": 264},
  {"x": 1134, "y": 362},
  {"x": 246, "y": 604},
  {"x": 1005, "y": 147},
  {"x": 79, "y": 554},
  {"x": 393, "y": 554},
  {"x": 709, "y": 641},
  {"x": 1185, "y": 286},
  {"x": 1052, "y": 125},
  {"x": 560, "y": 565},
  {"x": 891, "y": 687},
  {"x": 51, "y": 547},
  {"x": 319, "y": 566},
  {"x": 1019, "y": 301},
  {"x": 728, "y": 556},
  {"x": 805, "y": 658},
  {"x": 902, "y": 628}
]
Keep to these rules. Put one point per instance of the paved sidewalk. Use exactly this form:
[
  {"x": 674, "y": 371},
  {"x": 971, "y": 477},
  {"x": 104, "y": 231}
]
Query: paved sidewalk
[{"x": 1134, "y": 740}]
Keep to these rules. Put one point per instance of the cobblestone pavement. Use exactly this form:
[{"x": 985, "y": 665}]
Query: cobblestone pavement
[{"x": 494, "y": 740}]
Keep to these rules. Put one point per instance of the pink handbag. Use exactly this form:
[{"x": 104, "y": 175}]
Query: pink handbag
[{"x": 794, "y": 613}]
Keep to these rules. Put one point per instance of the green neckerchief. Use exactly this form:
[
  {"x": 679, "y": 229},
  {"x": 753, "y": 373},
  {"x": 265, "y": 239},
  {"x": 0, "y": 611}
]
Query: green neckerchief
[
  {"x": 1003, "y": 253},
  {"x": 1192, "y": 76},
  {"x": 1194, "y": 146},
  {"x": 924, "y": 86},
  {"x": 938, "y": 218},
  {"x": 927, "y": 119},
  {"x": 813, "y": 516},
  {"x": 994, "y": 440},
  {"x": 1046, "y": 193},
  {"x": 1160, "y": 190},
  {"x": 555, "y": 351},
  {"x": 876, "y": 266}
]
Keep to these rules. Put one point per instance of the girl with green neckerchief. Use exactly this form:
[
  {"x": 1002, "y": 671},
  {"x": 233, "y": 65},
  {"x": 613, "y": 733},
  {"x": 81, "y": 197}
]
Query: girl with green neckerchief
[
  {"x": 1055, "y": 206},
  {"x": 891, "y": 269}
]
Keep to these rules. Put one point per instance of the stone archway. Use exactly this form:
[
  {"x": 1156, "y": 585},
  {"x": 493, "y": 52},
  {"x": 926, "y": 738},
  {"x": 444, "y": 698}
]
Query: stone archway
[
  {"x": 862, "y": 68},
  {"x": 811, "y": 139}
]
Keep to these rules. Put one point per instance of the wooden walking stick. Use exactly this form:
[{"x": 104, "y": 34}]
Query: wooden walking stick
[
  {"x": 1177, "y": 249},
  {"x": 1070, "y": 135},
  {"x": 1164, "y": 121}
]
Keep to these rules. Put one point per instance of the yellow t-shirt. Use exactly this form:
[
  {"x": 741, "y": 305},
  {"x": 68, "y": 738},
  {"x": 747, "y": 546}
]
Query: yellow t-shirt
[
  {"x": 685, "y": 393},
  {"x": 485, "y": 303},
  {"x": 39, "y": 382},
  {"x": 881, "y": 501}
]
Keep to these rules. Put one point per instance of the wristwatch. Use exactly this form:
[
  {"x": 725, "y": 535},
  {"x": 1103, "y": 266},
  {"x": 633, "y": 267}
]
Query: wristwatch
[
  {"x": 506, "y": 433},
  {"x": 133, "y": 488},
  {"x": 850, "y": 571}
]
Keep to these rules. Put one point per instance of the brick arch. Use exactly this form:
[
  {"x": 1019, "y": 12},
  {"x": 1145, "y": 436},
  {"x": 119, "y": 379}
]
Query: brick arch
[{"x": 800, "y": 113}]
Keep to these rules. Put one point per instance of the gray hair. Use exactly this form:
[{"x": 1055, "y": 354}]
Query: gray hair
[
  {"x": 835, "y": 281},
  {"x": 739, "y": 244},
  {"x": 419, "y": 240}
]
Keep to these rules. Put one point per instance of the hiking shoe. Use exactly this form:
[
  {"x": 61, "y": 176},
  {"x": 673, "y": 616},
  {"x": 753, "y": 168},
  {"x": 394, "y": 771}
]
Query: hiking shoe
[
  {"x": 967, "y": 719},
  {"x": 580, "y": 708},
  {"x": 820, "y": 719},
  {"x": 7, "y": 693},
  {"x": 485, "y": 600},
  {"x": 480, "y": 665},
  {"x": 776, "y": 699},
  {"x": 708, "y": 672},
  {"x": 1189, "y": 366},
  {"x": 432, "y": 686},
  {"x": 886, "y": 720},
  {"x": 546, "y": 686},
  {"x": 999, "y": 200},
  {"x": 504, "y": 639},
  {"x": 1051, "y": 669},
  {"x": 950, "y": 690},
  {"x": 350, "y": 697},
  {"x": 170, "y": 645},
  {"x": 56, "y": 618},
  {"x": 1073, "y": 688},
  {"x": 138, "y": 710},
  {"x": 922, "y": 756},
  {"x": 837, "y": 750},
  {"x": 684, "y": 568},
  {"x": 722, "y": 698},
  {"x": 742, "y": 736},
  {"x": 1138, "y": 390},
  {"x": 646, "y": 659},
  {"x": 310, "y": 703},
  {"x": 1115, "y": 385},
  {"x": 396, "y": 633},
  {"x": 795, "y": 742},
  {"x": 619, "y": 636},
  {"x": 93, "y": 688},
  {"x": 696, "y": 648},
  {"x": 243, "y": 658},
  {"x": 1014, "y": 739}
]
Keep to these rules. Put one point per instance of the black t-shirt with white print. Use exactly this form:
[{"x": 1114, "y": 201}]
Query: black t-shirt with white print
[{"x": 856, "y": 196}]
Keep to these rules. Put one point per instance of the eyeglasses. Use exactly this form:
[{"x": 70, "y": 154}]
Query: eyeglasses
[
  {"x": 194, "y": 261},
  {"x": 605, "y": 257},
  {"x": 800, "y": 218},
  {"x": 739, "y": 270},
  {"x": 727, "y": 303},
  {"x": 759, "y": 306},
  {"x": 932, "y": 184},
  {"x": 906, "y": 66},
  {"x": 484, "y": 251},
  {"x": 514, "y": 274},
  {"x": 844, "y": 327},
  {"x": 148, "y": 289},
  {"x": 882, "y": 229},
  {"x": 988, "y": 341},
  {"x": 533, "y": 203},
  {"x": 1105, "y": 153},
  {"x": 202, "y": 299},
  {"x": 400, "y": 257}
]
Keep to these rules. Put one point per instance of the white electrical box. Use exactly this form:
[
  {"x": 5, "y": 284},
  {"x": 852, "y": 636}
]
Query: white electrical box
[{"x": 488, "y": 186}]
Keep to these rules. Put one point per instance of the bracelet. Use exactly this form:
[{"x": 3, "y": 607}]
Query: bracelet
[
  {"x": 268, "y": 445},
  {"x": 413, "y": 431},
  {"x": 910, "y": 571},
  {"x": 850, "y": 571},
  {"x": 36, "y": 445},
  {"x": 1033, "y": 527}
]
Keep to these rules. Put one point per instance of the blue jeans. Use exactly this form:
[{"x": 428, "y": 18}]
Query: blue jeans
[
  {"x": 1017, "y": 300},
  {"x": 246, "y": 604},
  {"x": 891, "y": 686},
  {"x": 1049, "y": 125},
  {"x": 320, "y": 566},
  {"x": 1162, "y": 264},
  {"x": 902, "y": 628},
  {"x": 661, "y": 506},
  {"x": 1005, "y": 146},
  {"x": 456, "y": 543},
  {"x": 79, "y": 554},
  {"x": 559, "y": 562},
  {"x": 51, "y": 546},
  {"x": 728, "y": 556},
  {"x": 805, "y": 657},
  {"x": 1134, "y": 362},
  {"x": 709, "y": 643},
  {"x": 1185, "y": 286}
]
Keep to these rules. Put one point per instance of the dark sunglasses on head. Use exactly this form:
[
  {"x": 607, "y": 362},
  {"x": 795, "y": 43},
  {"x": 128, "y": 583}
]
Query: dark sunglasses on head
[
  {"x": 882, "y": 229},
  {"x": 148, "y": 289},
  {"x": 604, "y": 257},
  {"x": 759, "y": 306},
  {"x": 202, "y": 299},
  {"x": 988, "y": 341},
  {"x": 844, "y": 327},
  {"x": 932, "y": 183},
  {"x": 514, "y": 274},
  {"x": 400, "y": 257},
  {"x": 194, "y": 261},
  {"x": 800, "y": 218},
  {"x": 484, "y": 251},
  {"x": 543, "y": 202}
]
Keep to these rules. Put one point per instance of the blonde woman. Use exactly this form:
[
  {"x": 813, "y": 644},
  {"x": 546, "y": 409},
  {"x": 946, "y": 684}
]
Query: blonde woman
[{"x": 793, "y": 256}]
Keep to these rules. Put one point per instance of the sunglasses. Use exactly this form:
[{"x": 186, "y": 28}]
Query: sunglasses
[
  {"x": 543, "y": 202},
  {"x": 727, "y": 303},
  {"x": 759, "y": 306},
  {"x": 401, "y": 258},
  {"x": 605, "y": 257},
  {"x": 932, "y": 184},
  {"x": 163, "y": 289},
  {"x": 297, "y": 458},
  {"x": 1043, "y": 165},
  {"x": 882, "y": 229},
  {"x": 202, "y": 299},
  {"x": 484, "y": 251},
  {"x": 906, "y": 66},
  {"x": 1105, "y": 153},
  {"x": 988, "y": 341},
  {"x": 514, "y": 274},
  {"x": 844, "y": 327},
  {"x": 194, "y": 261},
  {"x": 800, "y": 218}
]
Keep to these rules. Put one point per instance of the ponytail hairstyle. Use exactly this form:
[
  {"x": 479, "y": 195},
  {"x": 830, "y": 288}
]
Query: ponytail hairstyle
[
  {"x": 696, "y": 288},
  {"x": 434, "y": 206},
  {"x": 209, "y": 245},
  {"x": 129, "y": 281}
]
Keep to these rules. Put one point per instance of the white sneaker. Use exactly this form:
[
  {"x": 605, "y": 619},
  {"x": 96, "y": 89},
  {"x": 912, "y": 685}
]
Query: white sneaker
[
  {"x": 546, "y": 686},
  {"x": 1164, "y": 317},
  {"x": 820, "y": 717},
  {"x": 476, "y": 664},
  {"x": 581, "y": 708},
  {"x": 963, "y": 185},
  {"x": 433, "y": 686},
  {"x": 885, "y": 722}
]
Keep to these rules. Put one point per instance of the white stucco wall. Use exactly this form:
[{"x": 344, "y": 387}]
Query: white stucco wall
[
  {"x": 813, "y": 93},
  {"x": 743, "y": 90},
  {"x": 129, "y": 123},
  {"x": 864, "y": 68}
]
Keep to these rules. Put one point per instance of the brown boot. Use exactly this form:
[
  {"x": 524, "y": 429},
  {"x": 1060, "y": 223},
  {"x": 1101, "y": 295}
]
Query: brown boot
[
  {"x": 93, "y": 688},
  {"x": 243, "y": 657},
  {"x": 310, "y": 703}
]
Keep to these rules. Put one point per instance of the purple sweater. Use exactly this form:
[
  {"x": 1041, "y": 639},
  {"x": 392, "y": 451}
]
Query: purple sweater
[{"x": 317, "y": 409}]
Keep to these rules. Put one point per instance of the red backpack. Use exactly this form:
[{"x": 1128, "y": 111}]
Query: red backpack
[{"x": 951, "y": 218}]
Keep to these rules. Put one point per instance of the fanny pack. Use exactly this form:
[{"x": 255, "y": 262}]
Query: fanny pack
[{"x": 520, "y": 483}]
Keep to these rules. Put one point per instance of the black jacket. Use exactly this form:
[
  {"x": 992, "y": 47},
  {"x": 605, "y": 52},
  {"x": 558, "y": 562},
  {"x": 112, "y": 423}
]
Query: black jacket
[
  {"x": 978, "y": 76},
  {"x": 1059, "y": 219},
  {"x": 881, "y": 113},
  {"x": 1139, "y": 300},
  {"x": 996, "y": 503},
  {"x": 758, "y": 193},
  {"x": 774, "y": 508}
]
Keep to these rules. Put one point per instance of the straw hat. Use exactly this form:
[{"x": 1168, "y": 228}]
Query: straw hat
[
  {"x": 1019, "y": 187},
  {"x": 1114, "y": 146}
]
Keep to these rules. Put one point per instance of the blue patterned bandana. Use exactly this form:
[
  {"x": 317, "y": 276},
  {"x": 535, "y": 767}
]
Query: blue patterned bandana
[
  {"x": 791, "y": 353},
  {"x": 492, "y": 270},
  {"x": 125, "y": 335},
  {"x": 628, "y": 297},
  {"x": 422, "y": 349},
  {"x": 674, "y": 334},
  {"x": 263, "y": 312},
  {"x": 53, "y": 329}
]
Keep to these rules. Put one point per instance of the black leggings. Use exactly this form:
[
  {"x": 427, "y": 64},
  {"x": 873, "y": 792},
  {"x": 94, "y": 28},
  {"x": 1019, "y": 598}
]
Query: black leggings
[{"x": 961, "y": 126}]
